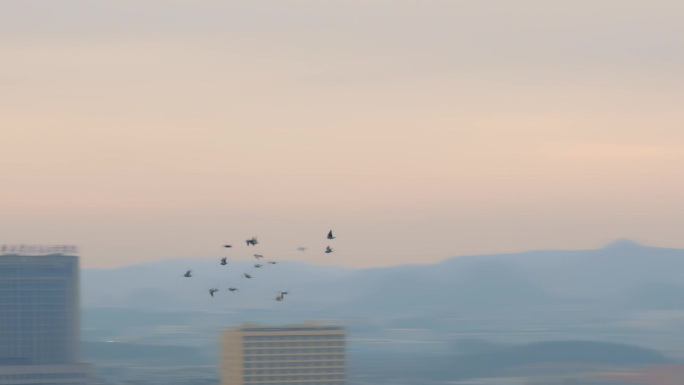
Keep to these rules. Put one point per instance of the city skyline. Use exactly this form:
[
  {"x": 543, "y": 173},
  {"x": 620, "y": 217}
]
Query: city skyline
[{"x": 262, "y": 192}]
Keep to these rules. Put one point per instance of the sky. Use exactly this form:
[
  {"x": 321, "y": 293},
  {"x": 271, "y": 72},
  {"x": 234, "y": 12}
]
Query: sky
[{"x": 416, "y": 130}]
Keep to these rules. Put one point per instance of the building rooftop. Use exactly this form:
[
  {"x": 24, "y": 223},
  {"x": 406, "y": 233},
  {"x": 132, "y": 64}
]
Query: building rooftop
[{"x": 288, "y": 328}]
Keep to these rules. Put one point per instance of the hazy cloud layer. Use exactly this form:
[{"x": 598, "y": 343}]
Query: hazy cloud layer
[{"x": 417, "y": 129}]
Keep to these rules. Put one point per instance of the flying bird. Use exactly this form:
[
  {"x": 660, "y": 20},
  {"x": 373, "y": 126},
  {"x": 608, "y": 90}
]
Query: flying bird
[
  {"x": 330, "y": 235},
  {"x": 224, "y": 261},
  {"x": 258, "y": 256},
  {"x": 233, "y": 289},
  {"x": 188, "y": 274},
  {"x": 302, "y": 249},
  {"x": 212, "y": 291},
  {"x": 257, "y": 265},
  {"x": 252, "y": 242},
  {"x": 227, "y": 245},
  {"x": 272, "y": 262},
  {"x": 247, "y": 275},
  {"x": 328, "y": 250}
]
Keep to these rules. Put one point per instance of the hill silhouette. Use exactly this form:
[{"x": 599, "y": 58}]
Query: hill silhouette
[{"x": 610, "y": 276}]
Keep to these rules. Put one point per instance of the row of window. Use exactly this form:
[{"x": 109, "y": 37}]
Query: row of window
[
  {"x": 51, "y": 305},
  {"x": 46, "y": 305},
  {"x": 29, "y": 318},
  {"x": 331, "y": 382},
  {"x": 294, "y": 337},
  {"x": 37, "y": 271},
  {"x": 44, "y": 297},
  {"x": 42, "y": 376},
  {"x": 30, "y": 330},
  {"x": 291, "y": 344},
  {"x": 59, "y": 309},
  {"x": 300, "y": 364},
  {"x": 9, "y": 309},
  {"x": 39, "y": 330},
  {"x": 9, "y": 314},
  {"x": 40, "y": 266},
  {"x": 29, "y": 288},
  {"x": 38, "y": 279},
  {"x": 37, "y": 317},
  {"x": 292, "y": 371},
  {"x": 288, "y": 351},
  {"x": 16, "y": 287},
  {"x": 27, "y": 291},
  {"x": 80, "y": 382},
  {"x": 292, "y": 358},
  {"x": 12, "y": 289},
  {"x": 290, "y": 329},
  {"x": 53, "y": 310},
  {"x": 293, "y": 378},
  {"x": 32, "y": 293},
  {"x": 27, "y": 294},
  {"x": 23, "y": 335},
  {"x": 17, "y": 332}
]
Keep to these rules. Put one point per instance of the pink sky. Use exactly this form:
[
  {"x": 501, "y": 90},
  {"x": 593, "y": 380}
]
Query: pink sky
[{"x": 418, "y": 130}]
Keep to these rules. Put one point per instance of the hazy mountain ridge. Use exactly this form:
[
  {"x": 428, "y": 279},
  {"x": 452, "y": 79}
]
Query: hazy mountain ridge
[
  {"x": 409, "y": 320},
  {"x": 618, "y": 272}
]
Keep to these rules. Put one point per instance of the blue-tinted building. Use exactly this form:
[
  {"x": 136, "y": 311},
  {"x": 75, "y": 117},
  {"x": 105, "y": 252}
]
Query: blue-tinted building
[{"x": 40, "y": 320}]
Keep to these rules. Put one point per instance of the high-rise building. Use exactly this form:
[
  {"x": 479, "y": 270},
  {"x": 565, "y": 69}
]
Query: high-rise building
[
  {"x": 299, "y": 354},
  {"x": 39, "y": 321}
]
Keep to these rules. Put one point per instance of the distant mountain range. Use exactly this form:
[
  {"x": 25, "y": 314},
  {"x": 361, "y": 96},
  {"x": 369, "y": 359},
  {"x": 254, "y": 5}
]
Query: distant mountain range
[
  {"x": 621, "y": 275},
  {"x": 566, "y": 295}
]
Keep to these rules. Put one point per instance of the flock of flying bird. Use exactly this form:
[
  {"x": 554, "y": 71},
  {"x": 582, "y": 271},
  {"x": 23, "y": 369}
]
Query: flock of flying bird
[{"x": 253, "y": 242}]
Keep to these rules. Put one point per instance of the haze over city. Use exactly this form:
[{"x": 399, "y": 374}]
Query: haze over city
[
  {"x": 418, "y": 130},
  {"x": 341, "y": 192}
]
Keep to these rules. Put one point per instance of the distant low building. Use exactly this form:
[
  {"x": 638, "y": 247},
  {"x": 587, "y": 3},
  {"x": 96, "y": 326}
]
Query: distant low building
[
  {"x": 300, "y": 354},
  {"x": 39, "y": 321}
]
